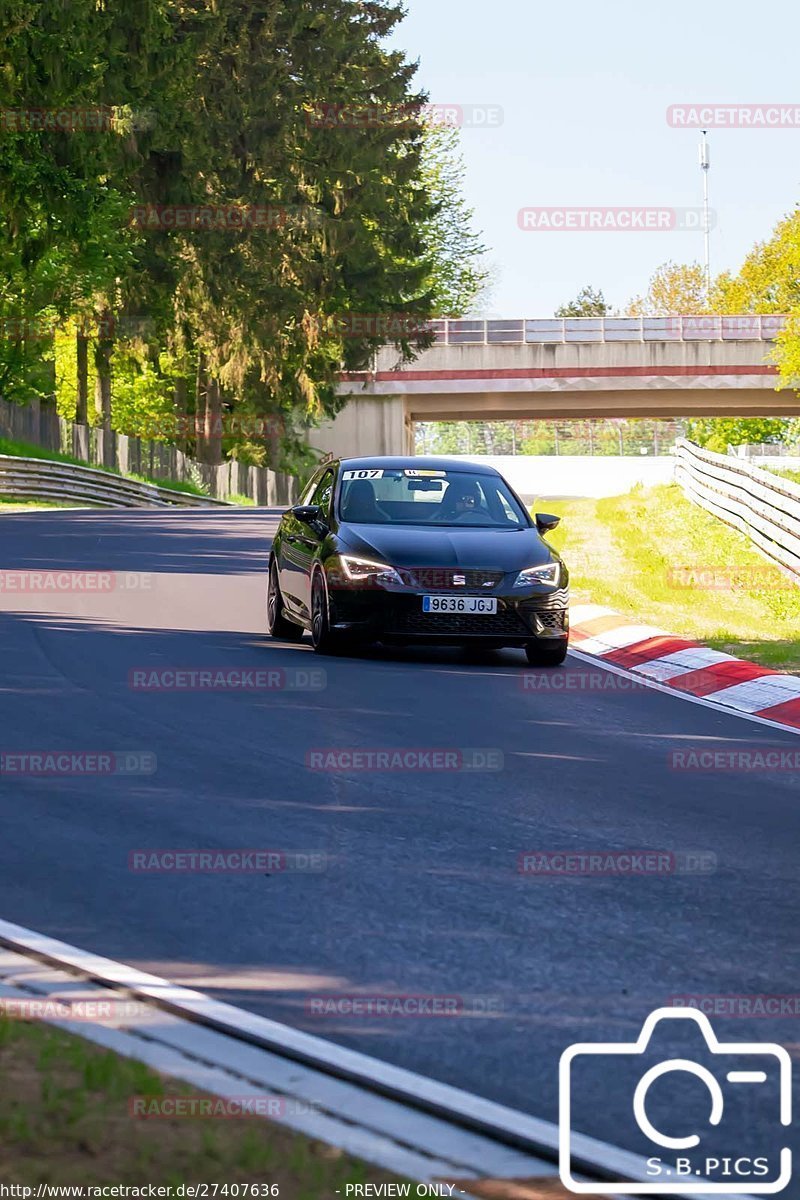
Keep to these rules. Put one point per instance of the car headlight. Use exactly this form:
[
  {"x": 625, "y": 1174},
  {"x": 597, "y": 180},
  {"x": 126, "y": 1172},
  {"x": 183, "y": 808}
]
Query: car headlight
[
  {"x": 549, "y": 573},
  {"x": 366, "y": 570}
]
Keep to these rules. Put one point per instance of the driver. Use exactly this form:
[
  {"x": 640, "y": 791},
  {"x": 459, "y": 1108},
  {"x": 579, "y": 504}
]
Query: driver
[{"x": 463, "y": 498}]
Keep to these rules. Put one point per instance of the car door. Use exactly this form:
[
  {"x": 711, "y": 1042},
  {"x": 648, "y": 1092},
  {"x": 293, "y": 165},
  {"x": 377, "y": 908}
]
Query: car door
[
  {"x": 303, "y": 543},
  {"x": 290, "y": 559}
]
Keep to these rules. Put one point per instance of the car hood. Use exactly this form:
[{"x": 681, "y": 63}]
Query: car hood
[{"x": 415, "y": 546}]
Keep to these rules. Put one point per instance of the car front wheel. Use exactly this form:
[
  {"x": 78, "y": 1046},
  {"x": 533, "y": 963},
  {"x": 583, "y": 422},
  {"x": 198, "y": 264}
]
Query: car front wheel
[{"x": 323, "y": 638}]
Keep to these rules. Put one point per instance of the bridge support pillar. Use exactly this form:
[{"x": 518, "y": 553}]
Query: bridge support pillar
[{"x": 367, "y": 425}]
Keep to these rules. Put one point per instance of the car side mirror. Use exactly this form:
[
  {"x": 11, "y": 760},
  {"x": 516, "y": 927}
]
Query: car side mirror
[
  {"x": 309, "y": 514},
  {"x": 546, "y": 521}
]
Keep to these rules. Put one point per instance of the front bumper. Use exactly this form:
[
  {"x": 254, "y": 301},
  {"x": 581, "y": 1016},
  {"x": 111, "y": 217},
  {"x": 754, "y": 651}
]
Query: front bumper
[{"x": 395, "y": 615}]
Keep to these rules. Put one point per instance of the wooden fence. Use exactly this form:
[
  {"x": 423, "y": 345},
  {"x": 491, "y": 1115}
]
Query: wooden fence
[
  {"x": 764, "y": 506},
  {"x": 40, "y": 425}
]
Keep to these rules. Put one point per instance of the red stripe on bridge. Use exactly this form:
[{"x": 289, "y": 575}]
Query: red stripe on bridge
[{"x": 559, "y": 373}]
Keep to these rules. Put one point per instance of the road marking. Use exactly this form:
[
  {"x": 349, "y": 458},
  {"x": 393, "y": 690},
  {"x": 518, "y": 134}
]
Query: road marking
[
  {"x": 685, "y": 668},
  {"x": 593, "y": 660},
  {"x": 209, "y": 1037}
]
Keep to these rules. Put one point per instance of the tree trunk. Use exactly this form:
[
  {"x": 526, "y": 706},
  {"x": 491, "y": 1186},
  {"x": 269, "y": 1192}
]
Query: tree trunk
[
  {"x": 82, "y": 380},
  {"x": 213, "y": 430},
  {"x": 181, "y": 417},
  {"x": 200, "y": 406},
  {"x": 102, "y": 358},
  {"x": 273, "y": 445}
]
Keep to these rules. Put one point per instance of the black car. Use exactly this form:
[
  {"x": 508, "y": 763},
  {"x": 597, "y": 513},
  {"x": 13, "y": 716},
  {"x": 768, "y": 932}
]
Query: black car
[{"x": 402, "y": 550}]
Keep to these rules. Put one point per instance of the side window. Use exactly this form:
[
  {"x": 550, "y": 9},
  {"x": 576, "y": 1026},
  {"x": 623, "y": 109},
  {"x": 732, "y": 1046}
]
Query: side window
[
  {"x": 503, "y": 505},
  {"x": 323, "y": 493},
  {"x": 308, "y": 490}
]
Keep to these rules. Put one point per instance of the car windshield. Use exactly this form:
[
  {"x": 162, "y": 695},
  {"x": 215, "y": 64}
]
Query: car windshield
[{"x": 376, "y": 496}]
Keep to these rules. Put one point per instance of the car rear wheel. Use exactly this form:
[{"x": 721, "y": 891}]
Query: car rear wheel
[
  {"x": 546, "y": 653},
  {"x": 323, "y": 638},
  {"x": 278, "y": 623}
]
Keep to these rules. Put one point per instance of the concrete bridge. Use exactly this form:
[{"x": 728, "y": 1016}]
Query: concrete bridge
[{"x": 558, "y": 369}]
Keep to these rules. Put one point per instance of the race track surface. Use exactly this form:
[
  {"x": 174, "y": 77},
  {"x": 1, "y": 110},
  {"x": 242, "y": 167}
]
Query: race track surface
[{"x": 422, "y": 893}]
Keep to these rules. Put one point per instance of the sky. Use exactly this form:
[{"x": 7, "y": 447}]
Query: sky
[{"x": 584, "y": 88}]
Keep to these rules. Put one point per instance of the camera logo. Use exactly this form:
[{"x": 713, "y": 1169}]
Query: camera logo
[{"x": 690, "y": 1164}]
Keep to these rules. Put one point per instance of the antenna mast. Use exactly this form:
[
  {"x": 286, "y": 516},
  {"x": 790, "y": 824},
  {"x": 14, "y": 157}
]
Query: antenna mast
[{"x": 705, "y": 164}]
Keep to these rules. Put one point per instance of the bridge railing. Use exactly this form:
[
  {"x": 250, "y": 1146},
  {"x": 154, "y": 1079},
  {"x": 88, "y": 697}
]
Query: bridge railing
[
  {"x": 556, "y": 330},
  {"x": 764, "y": 506}
]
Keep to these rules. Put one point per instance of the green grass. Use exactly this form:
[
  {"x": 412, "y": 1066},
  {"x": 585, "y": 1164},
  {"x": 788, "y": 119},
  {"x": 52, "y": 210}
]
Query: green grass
[
  {"x": 626, "y": 552},
  {"x": 786, "y": 474},
  {"x": 174, "y": 485},
  {"x": 7, "y": 504},
  {"x": 65, "y": 1119},
  {"x": 24, "y": 450},
  {"x": 242, "y": 501}
]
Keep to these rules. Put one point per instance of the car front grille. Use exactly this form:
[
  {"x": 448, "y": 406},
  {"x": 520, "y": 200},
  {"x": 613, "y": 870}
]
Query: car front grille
[
  {"x": 550, "y": 620},
  {"x": 502, "y": 623},
  {"x": 452, "y": 579}
]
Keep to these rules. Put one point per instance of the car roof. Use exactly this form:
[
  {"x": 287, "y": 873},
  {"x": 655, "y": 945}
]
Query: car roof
[{"x": 418, "y": 461}]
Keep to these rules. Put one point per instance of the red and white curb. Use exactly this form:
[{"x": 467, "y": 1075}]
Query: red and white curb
[{"x": 686, "y": 666}]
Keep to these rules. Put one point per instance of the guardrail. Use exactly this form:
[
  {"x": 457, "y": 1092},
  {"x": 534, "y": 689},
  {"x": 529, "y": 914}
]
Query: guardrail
[
  {"x": 38, "y": 423},
  {"x": 42, "y": 479},
  {"x": 524, "y": 331},
  {"x": 762, "y": 505}
]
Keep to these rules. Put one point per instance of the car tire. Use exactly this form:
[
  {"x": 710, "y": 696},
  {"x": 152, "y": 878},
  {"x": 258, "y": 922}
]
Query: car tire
[
  {"x": 543, "y": 653},
  {"x": 323, "y": 638},
  {"x": 278, "y": 624}
]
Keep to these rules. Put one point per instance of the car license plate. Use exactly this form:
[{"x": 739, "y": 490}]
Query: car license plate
[{"x": 480, "y": 605}]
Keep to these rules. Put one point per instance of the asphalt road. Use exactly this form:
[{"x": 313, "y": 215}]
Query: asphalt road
[{"x": 421, "y": 894}]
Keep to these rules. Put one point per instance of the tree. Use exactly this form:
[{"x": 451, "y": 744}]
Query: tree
[
  {"x": 458, "y": 275},
  {"x": 769, "y": 278},
  {"x": 674, "y": 290},
  {"x": 769, "y": 282},
  {"x": 717, "y": 433},
  {"x": 370, "y": 216},
  {"x": 588, "y": 303}
]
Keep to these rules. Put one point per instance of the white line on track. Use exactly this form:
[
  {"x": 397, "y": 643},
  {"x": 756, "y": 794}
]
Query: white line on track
[
  {"x": 644, "y": 681},
  {"x": 403, "y": 1121}
]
